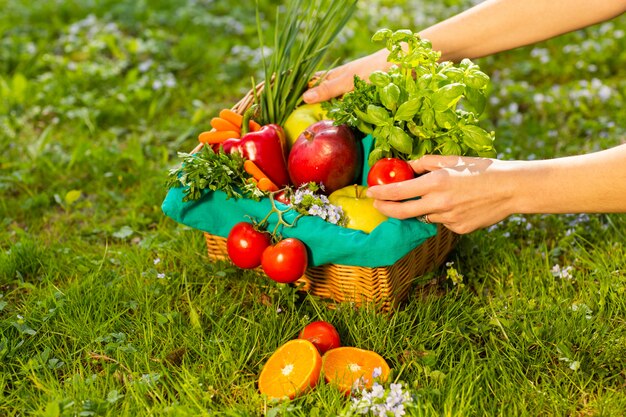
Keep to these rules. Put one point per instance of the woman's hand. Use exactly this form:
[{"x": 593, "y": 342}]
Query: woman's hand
[
  {"x": 340, "y": 80},
  {"x": 462, "y": 193}
]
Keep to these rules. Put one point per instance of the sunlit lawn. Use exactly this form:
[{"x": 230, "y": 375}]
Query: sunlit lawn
[{"x": 107, "y": 307}]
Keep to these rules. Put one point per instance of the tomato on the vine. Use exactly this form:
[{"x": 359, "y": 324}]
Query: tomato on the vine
[
  {"x": 285, "y": 261},
  {"x": 322, "y": 334},
  {"x": 388, "y": 170},
  {"x": 245, "y": 245}
]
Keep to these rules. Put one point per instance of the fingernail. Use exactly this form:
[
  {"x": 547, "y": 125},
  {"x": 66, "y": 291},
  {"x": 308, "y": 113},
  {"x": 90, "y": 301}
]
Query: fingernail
[{"x": 310, "y": 95}]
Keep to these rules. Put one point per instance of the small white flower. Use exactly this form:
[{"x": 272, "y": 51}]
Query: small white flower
[
  {"x": 562, "y": 273},
  {"x": 145, "y": 65},
  {"x": 157, "y": 260}
]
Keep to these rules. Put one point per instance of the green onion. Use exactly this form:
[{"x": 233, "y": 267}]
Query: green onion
[{"x": 300, "y": 44}]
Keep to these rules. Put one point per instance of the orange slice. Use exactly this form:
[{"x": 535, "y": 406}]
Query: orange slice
[
  {"x": 350, "y": 367},
  {"x": 292, "y": 370}
]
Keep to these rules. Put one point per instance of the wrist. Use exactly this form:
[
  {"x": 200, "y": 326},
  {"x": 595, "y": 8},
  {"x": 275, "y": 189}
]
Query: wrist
[{"x": 517, "y": 182}]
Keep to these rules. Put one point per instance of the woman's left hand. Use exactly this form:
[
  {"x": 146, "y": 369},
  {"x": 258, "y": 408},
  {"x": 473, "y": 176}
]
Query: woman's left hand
[{"x": 462, "y": 193}]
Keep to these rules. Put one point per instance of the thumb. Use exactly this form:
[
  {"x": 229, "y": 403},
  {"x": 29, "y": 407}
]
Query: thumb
[{"x": 328, "y": 89}]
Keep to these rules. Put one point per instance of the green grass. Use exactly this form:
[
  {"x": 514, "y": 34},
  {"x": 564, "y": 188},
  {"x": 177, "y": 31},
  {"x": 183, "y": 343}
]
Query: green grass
[{"x": 107, "y": 307}]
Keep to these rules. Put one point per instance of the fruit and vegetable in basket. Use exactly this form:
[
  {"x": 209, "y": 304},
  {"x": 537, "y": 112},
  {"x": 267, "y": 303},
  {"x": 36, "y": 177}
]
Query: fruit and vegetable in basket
[
  {"x": 245, "y": 245},
  {"x": 389, "y": 170},
  {"x": 357, "y": 207},
  {"x": 419, "y": 106},
  {"x": 325, "y": 154},
  {"x": 266, "y": 148},
  {"x": 286, "y": 261},
  {"x": 302, "y": 117}
]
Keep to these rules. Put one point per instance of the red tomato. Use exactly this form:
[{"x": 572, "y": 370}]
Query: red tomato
[
  {"x": 285, "y": 261},
  {"x": 322, "y": 334},
  {"x": 245, "y": 245},
  {"x": 388, "y": 170}
]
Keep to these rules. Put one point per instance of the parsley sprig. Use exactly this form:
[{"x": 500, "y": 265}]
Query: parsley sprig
[
  {"x": 420, "y": 105},
  {"x": 212, "y": 170}
]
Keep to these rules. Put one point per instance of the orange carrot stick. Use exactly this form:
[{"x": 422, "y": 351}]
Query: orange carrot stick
[
  {"x": 217, "y": 136},
  {"x": 222, "y": 124},
  {"x": 265, "y": 184},
  {"x": 254, "y": 126},
  {"x": 253, "y": 169},
  {"x": 232, "y": 117}
]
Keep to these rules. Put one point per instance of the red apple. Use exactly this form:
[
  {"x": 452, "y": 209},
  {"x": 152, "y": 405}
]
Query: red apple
[{"x": 326, "y": 154}]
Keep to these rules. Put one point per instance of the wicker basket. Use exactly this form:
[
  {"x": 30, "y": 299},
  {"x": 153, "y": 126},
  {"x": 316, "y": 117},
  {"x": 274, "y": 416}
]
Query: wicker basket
[{"x": 383, "y": 286}]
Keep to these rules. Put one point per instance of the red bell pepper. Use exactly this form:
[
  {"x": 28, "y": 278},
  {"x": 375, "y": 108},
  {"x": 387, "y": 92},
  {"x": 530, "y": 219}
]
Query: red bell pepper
[{"x": 266, "y": 148}]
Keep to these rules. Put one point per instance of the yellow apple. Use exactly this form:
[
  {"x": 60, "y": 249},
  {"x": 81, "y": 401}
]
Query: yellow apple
[
  {"x": 302, "y": 117},
  {"x": 357, "y": 207}
]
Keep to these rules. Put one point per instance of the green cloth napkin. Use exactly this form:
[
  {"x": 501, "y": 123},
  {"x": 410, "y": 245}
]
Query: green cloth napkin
[{"x": 327, "y": 243}]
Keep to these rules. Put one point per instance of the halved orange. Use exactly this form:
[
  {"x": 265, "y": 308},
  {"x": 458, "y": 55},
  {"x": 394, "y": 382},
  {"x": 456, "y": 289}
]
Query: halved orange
[
  {"x": 292, "y": 370},
  {"x": 350, "y": 367}
]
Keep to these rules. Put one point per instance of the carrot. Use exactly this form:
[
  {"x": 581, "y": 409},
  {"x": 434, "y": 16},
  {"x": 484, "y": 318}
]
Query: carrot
[
  {"x": 232, "y": 117},
  {"x": 219, "y": 123},
  {"x": 254, "y": 126},
  {"x": 217, "y": 136},
  {"x": 253, "y": 169},
  {"x": 265, "y": 184}
]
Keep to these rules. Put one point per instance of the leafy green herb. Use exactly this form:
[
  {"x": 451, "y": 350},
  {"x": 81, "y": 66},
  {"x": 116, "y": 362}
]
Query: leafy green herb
[
  {"x": 420, "y": 105},
  {"x": 300, "y": 43},
  {"x": 213, "y": 171}
]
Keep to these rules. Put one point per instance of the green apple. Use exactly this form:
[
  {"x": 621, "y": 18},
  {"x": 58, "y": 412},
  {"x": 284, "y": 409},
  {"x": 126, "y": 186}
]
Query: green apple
[
  {"x": 357, "y": 207},
  {"x": 302, "y": 117}
]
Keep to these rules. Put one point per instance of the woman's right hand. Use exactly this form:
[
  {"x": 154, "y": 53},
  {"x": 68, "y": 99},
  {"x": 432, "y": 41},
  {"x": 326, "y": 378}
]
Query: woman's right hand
[{"x": 340, "y": 80}]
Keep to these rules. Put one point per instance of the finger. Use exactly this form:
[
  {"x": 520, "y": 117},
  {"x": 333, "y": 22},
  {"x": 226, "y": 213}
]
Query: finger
[
  {"x": 328, "y": 89},
  {"x": 406, "y": 209},
  {"x": 429, "y": 163},
  {"x": 402, "y": 190}
]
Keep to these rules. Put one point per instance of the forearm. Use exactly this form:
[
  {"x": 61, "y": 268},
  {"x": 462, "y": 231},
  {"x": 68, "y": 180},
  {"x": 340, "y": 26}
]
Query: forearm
[
  {"x": 499, "y": 25},
  {"x": 591, "y": 183}
]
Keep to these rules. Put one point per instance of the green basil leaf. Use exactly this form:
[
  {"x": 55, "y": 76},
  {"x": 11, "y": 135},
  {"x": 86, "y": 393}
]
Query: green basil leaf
[
  {"x": 364, "y": 116},
  {"x": 477, "y": 138},
  {"x": 381, "y": 34},
  {"x": 450, "y": 147},
  {"x": 407, "y": 110},
  {"x": 447, "y": 96},
  {"x": 423, "y": 82},
  {"x": 364, "y": 127},
  {"x": 487, "y": 153},
  {"x": 475, "y": 100},
  {"x": 447, "y": 119},
  {"x": 380, "y": 78},
  {"x": 428, "y": 117},
  {"x": 466, "y": 63},
  {"x": 411, "y": 87},
  {"x": 418, "y": 131},
  {"x": 401, "y": 35},
  {"x": 400, "y": 140},
  {"x": 423, "y": 147},
  {"x": 476, "y": 79},
  {"x": 379, "y": 115},
  {"x": 390, "y": 96},
  {"x": 453, "y": 73},
  {"x": 374, "y": 156}
]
